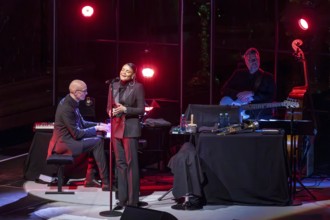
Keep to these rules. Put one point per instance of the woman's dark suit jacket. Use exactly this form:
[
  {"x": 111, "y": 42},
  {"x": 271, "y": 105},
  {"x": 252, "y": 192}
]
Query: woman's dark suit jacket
[{"x": 128, "y": 124}]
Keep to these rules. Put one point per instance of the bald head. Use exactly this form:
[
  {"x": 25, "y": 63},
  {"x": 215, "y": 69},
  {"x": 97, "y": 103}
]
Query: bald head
[
  {"x": 77, "y": 85},
  {"x": 78, "y": 90}
]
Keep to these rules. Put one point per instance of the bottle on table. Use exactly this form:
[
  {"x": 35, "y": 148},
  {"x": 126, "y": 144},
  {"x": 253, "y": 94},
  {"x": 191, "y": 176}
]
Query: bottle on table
[
  {"x": 221, "y": 120},
  {"x": 183, "y": 123},
  {"x": 226, "y": 119}
]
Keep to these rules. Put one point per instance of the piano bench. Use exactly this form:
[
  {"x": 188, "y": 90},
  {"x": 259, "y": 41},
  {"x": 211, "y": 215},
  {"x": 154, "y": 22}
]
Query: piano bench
[{"x": 60, "y": 160}]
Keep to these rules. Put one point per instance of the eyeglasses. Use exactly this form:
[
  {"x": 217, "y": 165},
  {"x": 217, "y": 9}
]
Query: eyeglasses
[{"x": 84, "y": 91}]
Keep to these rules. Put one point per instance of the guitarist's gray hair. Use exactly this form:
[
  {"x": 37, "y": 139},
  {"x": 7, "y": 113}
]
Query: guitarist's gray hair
[{"x": 250, "y": 51}]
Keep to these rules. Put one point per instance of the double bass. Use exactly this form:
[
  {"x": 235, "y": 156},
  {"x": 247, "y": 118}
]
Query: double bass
[
  {"x": 298, "y": 92},
  {"x": 296, "y": 142}
]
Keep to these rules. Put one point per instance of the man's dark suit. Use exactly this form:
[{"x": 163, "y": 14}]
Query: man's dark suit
[
  {"x": 73, "y": 135},
  {"x": 126, "y": 131}
]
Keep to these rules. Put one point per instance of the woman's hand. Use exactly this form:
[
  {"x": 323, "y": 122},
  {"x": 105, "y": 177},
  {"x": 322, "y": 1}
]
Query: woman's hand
[{"x": 118, "y": 109}]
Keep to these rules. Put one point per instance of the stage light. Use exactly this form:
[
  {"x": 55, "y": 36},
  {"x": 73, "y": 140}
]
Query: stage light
[
  {"x": 303, "y": 24},
  {"x": 87, "y": 11},
  {"x": 148, "y": 72},
  {"x": 151, "y": 106},
  {"x": 148, "y": 108}
]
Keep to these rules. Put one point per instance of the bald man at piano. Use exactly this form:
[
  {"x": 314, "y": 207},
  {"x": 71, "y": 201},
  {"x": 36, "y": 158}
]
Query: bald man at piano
[
  {"x": 72, "y": 135},
  {"x": 250, "y": 85}
]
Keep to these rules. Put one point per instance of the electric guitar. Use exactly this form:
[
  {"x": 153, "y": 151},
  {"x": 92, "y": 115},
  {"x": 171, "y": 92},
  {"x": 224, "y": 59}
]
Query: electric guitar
[{"x": 289, "y": 103}]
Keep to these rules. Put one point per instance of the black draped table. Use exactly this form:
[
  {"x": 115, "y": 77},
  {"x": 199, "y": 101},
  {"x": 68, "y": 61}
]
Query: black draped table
[
  {"x": 248, "y": 168},
  {"x": 35, "y": 164}
]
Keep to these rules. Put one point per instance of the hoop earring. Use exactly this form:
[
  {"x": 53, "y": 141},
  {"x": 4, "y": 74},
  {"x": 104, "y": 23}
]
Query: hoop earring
[{"x": 132, "y": 83}]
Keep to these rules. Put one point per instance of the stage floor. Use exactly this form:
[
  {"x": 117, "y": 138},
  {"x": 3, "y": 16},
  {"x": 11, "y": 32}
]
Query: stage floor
[{"x": 21, "y": 199}]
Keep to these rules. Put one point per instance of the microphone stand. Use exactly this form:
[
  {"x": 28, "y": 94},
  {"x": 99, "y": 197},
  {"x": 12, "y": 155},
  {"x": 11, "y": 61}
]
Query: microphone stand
[{"x": 111, "y": 213}]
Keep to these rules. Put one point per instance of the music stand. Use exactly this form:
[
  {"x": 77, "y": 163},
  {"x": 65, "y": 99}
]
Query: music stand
[
  {"x": 111, "y": 213},
  {"x": 294, "y": 162}
]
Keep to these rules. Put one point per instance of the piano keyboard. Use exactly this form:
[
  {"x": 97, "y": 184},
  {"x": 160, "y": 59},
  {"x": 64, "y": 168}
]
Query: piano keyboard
[
  {"x": 43, "y": 126},
  {"x": 49, "y": 127}
]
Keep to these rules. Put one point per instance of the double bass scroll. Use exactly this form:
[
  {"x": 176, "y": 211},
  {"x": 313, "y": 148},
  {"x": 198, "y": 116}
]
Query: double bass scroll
[{"x": 298, "y": 92}]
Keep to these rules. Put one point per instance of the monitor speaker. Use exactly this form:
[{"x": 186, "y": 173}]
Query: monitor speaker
[{"x": 132, "y": 213}]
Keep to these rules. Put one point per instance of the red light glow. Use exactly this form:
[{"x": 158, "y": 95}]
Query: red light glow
[
  {"x": 87, "y": 11},
  {"x": 303, "y": 24},
  {"x": 148, "y": 72}
]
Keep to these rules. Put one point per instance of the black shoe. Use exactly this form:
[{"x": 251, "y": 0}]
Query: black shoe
[
  {"x": 114, "y": 188},
  {"x": 187, "y": 206},
  {"x": 105, "y": 184},
  {"x": 105, "y": 187},
  {"x": 142, "y": 204},
  {"x": 92, "y": 183},
  {"x": 178, "y": 206},
  {"x": 179, "y": 200},
  {"x": 54, "y": 182},
  {"x": 118, "y": 207}
]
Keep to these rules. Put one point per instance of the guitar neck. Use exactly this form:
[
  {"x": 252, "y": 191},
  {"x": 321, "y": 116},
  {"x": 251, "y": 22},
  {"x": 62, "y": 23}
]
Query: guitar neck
[{"x": 262, "y": 105}]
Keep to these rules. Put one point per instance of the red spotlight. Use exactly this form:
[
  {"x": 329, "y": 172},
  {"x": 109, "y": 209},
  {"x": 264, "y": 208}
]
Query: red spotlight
[
  {"x": 87, "y": 11},
  {"x": 303, "y": 24},
  {"x": 148, "y": 72}
]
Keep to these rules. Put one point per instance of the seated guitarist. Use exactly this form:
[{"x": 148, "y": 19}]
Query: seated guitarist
[{"x": 250, "y": 85}]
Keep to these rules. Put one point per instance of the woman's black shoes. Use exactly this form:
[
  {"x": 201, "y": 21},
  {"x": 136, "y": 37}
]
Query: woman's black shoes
[
  {"x": 193, "y": 203},
  {"x": 142, "y": 204},
  {"x": 92, "y": 183},
  {"x": 121, "y": 207},
  {"x": 118, "y": 207},
  {"x": 187, "y": 206},
  {"x": 105, "y": 187}
]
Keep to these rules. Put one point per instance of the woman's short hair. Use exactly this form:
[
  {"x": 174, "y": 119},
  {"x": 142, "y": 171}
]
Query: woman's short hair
[{"x": 133, "y": 67}]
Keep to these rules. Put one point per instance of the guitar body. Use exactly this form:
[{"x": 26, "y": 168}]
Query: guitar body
[{"x": 227, "y": 101}]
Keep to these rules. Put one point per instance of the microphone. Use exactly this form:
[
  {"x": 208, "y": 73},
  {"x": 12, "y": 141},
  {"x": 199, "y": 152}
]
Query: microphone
[
  {"x": 115, "y": 79},
  {"x": 112, "y": 81}
]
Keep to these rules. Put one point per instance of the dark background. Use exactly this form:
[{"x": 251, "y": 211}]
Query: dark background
[{"x": 148, "y": 32}]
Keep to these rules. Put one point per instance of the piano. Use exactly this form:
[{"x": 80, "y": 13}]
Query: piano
[
  {"x": 43, "y": 126},
  {"x": 49, "y": 127}
]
